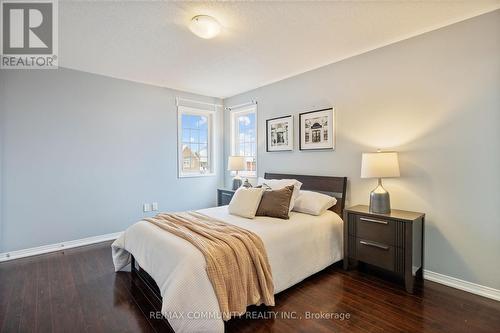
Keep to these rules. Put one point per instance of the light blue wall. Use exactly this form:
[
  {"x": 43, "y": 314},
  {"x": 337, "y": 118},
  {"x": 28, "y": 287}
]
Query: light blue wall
[
  {"x": 82, "y": 153},
  {"x": 434, "y": 98}
]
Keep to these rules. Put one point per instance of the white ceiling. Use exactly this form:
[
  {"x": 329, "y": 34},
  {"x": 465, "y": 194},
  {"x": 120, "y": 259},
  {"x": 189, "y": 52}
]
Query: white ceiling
[{"x": 261, "y": 42}]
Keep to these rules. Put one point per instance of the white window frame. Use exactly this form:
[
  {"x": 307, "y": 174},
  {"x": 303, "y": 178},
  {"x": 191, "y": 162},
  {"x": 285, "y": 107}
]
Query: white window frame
[
  {"x": 210, "y": 141},
  {"x": 235, "y": 133}
]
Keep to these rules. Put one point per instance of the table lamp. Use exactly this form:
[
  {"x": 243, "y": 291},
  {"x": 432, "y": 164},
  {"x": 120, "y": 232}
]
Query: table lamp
[
  {"x": 380, "y": 165},
  {"x": 236, "y": 163}
]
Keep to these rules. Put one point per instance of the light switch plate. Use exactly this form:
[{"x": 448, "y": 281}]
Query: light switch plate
[{"x": 146, "y": 207}]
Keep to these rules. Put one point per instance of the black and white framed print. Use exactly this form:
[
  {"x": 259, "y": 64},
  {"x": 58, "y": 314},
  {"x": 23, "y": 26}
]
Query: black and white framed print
[
  {"x": 279, "y": 134},
  {"x": 317, "y": 129}
]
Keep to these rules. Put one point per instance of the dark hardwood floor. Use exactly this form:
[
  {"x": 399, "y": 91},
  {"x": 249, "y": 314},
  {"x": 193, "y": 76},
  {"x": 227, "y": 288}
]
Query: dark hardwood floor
[{"x": 77, "y": 291}]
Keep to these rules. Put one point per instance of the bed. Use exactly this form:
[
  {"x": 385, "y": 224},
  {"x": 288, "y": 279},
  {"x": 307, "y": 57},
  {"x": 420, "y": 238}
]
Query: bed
[{"x": 173, "y": 270}]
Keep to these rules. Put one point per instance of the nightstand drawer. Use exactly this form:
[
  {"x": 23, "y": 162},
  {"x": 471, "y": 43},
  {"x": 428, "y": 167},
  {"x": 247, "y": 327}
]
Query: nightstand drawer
[
  {"x": 224, "y": 197},
  {"x": 375, "y": 253},
  {"x": 375, "y": 229}
]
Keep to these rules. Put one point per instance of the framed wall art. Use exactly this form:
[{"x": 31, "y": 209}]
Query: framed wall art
[
  {"x": 279, "y": 134},
  {"x": 317, "y": 129}
]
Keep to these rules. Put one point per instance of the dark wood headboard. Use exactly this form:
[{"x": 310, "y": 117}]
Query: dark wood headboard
[{"x": 335, "y": 186}]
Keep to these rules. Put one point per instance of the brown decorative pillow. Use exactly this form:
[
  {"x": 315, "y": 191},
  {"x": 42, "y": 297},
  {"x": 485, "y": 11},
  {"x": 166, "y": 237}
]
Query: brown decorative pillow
[{"x": 276, "y": 203}]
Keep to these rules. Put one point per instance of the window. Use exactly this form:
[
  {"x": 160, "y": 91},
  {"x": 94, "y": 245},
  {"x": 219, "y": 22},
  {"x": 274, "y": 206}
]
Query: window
[
  {"x": 195, "y": 127},
  {"x": 244, "y": 138}
]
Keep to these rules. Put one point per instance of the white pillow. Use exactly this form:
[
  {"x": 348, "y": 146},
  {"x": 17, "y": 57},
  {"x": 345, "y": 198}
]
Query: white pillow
[
  {"x": 245, "y": 202},
  {"x": 278, "y": 184},
  {"x": 313, "y": 203}
]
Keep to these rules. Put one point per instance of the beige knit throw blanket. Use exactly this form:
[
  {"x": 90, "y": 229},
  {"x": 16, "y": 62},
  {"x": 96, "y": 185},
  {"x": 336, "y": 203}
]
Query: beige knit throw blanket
[{"x": 237, "y": 264}]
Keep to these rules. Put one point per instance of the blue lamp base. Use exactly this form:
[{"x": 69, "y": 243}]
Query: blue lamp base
[{"x": 237, "y": 182}]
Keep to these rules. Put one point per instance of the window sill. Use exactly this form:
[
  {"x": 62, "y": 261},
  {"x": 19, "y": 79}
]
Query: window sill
[
  {"x": 196, "y": 175},
  {"x": 241, "y": 174},
  {"x": 244, "y": 176}
]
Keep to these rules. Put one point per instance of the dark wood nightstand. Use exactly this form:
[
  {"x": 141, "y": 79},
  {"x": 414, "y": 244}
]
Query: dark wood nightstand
[
  {"x": 224, "y": 196},
  {"x": 393, "y": 242}
]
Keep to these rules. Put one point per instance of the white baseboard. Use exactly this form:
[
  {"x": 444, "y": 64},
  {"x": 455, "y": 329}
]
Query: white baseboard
[
  {"x": 33, "y": 251},
  {"x": 462, "y": 285}
]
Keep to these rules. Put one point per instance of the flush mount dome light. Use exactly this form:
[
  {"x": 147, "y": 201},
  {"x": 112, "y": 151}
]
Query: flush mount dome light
[{"x": 205, "y": 26}]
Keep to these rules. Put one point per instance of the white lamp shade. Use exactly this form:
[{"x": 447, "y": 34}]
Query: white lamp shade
[
  {"x": 236, "y": 163},
  {"x": 379, "y": 165}
]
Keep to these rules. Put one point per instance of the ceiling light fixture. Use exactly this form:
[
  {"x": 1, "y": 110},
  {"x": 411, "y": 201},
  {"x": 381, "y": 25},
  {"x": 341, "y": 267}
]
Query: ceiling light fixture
[{"x": 205, "y": 26}]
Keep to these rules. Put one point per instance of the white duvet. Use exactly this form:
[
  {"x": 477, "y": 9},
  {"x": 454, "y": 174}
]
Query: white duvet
[{"x": 296, "y": 248}]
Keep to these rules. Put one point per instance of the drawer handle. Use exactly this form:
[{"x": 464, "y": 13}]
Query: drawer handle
[
  {"x": 227, "y": 194},
  {"x": 383, "y": 247},
  {"x": 371, "y": 220}
]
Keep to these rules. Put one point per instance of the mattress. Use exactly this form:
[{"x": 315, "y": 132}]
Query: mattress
[{"x": 296, "y": 249}]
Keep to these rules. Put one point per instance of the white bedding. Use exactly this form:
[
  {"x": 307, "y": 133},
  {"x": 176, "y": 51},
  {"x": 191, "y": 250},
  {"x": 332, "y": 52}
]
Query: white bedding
[{"x": 296, "y": 248}]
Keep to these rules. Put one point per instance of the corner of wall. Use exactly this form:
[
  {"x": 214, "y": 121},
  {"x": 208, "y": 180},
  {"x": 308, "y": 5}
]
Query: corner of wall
[{"x": 2, "y": 131}]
